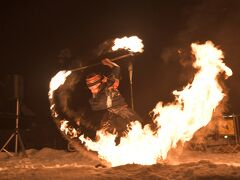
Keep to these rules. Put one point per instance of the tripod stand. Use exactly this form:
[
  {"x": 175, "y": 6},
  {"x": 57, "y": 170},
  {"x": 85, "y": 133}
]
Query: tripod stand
[{"x": 16, "y": 132}]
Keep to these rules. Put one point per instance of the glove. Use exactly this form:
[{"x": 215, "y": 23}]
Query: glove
[{"x": 109, "y": 63}]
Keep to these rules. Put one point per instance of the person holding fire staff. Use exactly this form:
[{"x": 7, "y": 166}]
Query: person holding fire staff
[{"x": 106, "y": 96}]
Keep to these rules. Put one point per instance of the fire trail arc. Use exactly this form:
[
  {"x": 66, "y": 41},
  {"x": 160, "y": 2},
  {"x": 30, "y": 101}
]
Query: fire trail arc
[{"x": 177, "y": 121}]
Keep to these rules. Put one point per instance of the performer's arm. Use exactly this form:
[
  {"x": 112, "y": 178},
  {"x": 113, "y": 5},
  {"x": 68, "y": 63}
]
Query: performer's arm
[
  {"x": 115, "y": 67},
  {"x": 115, "y": 74}
]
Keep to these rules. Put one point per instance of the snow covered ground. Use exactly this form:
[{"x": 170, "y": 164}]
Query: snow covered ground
[{"x": 54, "y": 164}]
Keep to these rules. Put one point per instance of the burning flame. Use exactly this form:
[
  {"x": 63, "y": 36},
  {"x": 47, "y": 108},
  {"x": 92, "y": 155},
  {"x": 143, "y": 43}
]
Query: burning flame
[
  {"x": 133, "y": 44},
  {"x": 177, "y": 121},
  {"x": 57, "y": 81}
]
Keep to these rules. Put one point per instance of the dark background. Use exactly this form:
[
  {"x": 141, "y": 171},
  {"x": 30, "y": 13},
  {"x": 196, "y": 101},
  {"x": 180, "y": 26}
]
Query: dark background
[{"x": 33, "y": 33}]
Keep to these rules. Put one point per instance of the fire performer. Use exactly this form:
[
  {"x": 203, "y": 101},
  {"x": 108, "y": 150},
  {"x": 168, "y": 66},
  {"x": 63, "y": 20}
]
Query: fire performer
[{"x": 106, "y": 96}]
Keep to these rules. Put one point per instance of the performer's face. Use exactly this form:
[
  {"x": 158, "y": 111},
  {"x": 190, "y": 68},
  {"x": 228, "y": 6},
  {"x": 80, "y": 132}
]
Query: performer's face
[{"x": 95, "y": 88}]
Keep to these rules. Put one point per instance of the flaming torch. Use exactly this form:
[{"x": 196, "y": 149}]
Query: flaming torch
[{"x": 132, "y": 44}]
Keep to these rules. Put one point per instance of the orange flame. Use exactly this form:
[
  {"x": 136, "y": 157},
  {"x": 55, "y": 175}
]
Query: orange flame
[
  {"x": 70, "y": 131},
  {"x": 133, "y": 44},
  {"x": 57, "y": 81},
  {"x": 177, "y": 121}
]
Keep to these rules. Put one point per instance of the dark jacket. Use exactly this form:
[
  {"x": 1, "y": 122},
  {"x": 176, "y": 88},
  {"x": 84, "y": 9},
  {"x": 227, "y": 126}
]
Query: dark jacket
[{"x": 108, "y": 97}]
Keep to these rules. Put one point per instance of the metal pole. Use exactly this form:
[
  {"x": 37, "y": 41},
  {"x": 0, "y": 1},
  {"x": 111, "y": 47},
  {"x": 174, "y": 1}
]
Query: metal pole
[
  {"x": 17, "y": 123},
  {"x": 237, "y": 128},
  {"x": 130, "y": 69},
  {"x": 92, "y": 65}
]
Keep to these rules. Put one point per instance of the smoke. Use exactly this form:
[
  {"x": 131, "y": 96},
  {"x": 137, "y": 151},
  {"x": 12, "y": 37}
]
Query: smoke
[
  {"x": 104, "y": 48},
  {"x": 218, "y": 21},
  {"x": 207, "y": 20}
]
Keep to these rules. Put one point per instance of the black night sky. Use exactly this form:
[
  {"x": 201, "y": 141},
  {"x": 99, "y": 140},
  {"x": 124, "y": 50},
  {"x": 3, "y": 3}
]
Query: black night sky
[{"x": 34, "y": 32}]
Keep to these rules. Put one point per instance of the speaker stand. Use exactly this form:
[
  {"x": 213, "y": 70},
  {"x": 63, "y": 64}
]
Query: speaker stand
[{"x": 15, "y": 134}]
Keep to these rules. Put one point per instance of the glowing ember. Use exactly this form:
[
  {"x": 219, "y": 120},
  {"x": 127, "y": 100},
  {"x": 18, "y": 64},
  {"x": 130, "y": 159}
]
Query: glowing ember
[
  {"x": 133, "y": 44},
  {"x": 178, "y": 121}
]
